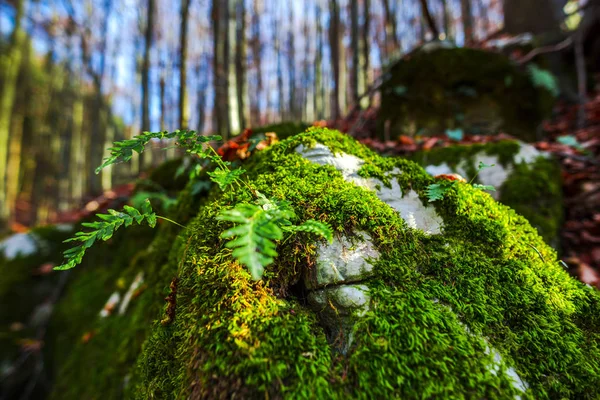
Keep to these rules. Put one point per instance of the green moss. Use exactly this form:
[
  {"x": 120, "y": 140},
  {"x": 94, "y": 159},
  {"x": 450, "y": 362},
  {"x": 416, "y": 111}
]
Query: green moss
[
  {"x": 533, "y": 190},
  {"x": 439, "y": 304},
  {"x": 462, "y": 88}
]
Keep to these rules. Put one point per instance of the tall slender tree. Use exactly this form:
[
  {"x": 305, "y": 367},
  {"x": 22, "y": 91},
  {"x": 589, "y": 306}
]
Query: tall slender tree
[
  {"x": 256, "y": 45},
  {"x": 291, "y": 58},
  {"x": 366, "y": 49},
  {"x": 240, "y": 63},
  {"x": 183, "y": 51},
  {"x": 319, "y": 82},
  {"x": 334, "y": 46},
  {"x": 392, "y": 44},
  {"x": 220, "y": 21},
  {"x": 144, "y": 158},
  {"x": 447, "y": 18},
  {"x": 467, "y": 20},
  {"x": 356, "y": 54},
  {"x": 10, "y": 63}
]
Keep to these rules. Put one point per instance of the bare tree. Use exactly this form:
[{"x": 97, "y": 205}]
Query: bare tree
[
  {"x": 334, "y": 45},
  {"x": 467, "y": 19},
  {"x": 220, "y": 19},
  {"x": 183, "y": 51},
  {"x": 148, "y": 42},
  {"x": 430, "y": 21},
  {"x": 10, "y": 70}
]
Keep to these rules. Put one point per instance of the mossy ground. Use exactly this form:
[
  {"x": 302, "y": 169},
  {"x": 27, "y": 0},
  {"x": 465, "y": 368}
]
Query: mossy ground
[
  {"x": 532, "y": 190},
  {"x": 461, "y": 88}
]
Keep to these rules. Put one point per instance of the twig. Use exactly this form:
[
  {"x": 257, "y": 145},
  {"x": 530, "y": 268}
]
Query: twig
[{"x": 546, "y": 49}]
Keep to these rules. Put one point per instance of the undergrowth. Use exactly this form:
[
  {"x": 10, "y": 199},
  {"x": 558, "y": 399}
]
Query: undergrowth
[{"x": 257, "y": 226}]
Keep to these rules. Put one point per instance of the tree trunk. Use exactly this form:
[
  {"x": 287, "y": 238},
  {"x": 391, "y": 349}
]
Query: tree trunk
[
  {"x": 279, "y": 67},
  {"x": 202, "y": 88},
  {"x": 220, "y": 66},
  {"x": 291, "y": 58},
  {"x": 184, "y": 121},
  {"x": 447, "y": 20},
  {"x": 366, "y": 50},
  {"x": 10, "y": 63},
  {"x": 334, "y": 45},
  {"x": 78, "y": 179},
  {"x": 256, "y": 59},
  {"x": 240, "y": 64},
  {"x": 319, "y": 87},
  {"x": 467, "y": 19},
  {"x": 145, "y": 157},
  {"x": 430, "y": 21},
  {"x": 234, "y": 116},
  {"x": 392, "y": 45},
  {"x": 309, "y": 88},
  {"x": 355, "y": 46}
]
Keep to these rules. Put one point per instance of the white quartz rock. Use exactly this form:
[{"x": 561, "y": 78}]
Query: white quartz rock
[
  {"x": 409, "y": 205},
  {"x": 343, "y": 300},
  {"x": 343, "y": 261},
  {"x": 19, "y": 245}
]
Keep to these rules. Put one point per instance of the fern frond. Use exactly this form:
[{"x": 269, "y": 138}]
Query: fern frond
[
  {"x": 123, "y": 151},
  {"x": 255, "y": 232},
  {"x": 316, "y": 227},
  {"x": 104, "y": 230},
  {"x": 436, "y": 191}
]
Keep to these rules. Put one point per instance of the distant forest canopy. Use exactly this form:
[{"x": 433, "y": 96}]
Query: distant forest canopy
[{"x": 77, "y": 75}]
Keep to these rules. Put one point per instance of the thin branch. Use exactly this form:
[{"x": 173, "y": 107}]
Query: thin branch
[
  {"x": 546, "y": 49},
  {"x": 432, "y": 26}
]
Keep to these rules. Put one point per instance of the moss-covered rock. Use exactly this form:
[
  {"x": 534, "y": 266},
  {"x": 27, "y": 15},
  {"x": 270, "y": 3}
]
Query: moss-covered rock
[
  {"x": 525, "y": 179},
  {"x": 456, "y": 299},
  {"x": 462, "y": 88}
]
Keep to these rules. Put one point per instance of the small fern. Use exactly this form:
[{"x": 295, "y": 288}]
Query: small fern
[
  {"x": 258, "y": 226},
  {"x": 123, "y": 151},
  {"x": 437, "y": 191},
  {"x": 104, "y": 230}
]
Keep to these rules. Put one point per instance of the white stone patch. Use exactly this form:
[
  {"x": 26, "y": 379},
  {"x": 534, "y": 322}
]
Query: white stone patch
[
  {"x": 343, "y": 300},
  {"x": 64, "y": 227},
  {"x": 494, "y": 368},
  {"x": 110, "y": 305},
  {"x": 409, "y": 205},
  {"x": 343, "y": 261},
  {"x": 135, "y": 285},
  {"x": 338, "y": 307},
  {"x": 19, "y": 245},
  {"x": 442, "y": 169},
  {"x": 528, "y": 154}
]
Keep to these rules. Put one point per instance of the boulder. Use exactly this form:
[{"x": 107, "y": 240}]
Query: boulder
[
  {"x": 474, "y": 90},
  {"x": 525, "y": 179},
  {"x": 453, "y": 299}
]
